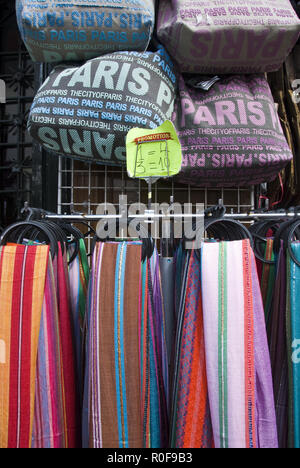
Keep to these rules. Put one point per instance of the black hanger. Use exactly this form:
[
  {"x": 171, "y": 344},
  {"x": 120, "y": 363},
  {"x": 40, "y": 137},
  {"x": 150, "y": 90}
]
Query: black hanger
[
  {"x": 48, "y": 234},
  {"x": 217, "y": 211},
  {"x": 33, "y": 233},
  {"x": 59, "y": 233},
  {"x": 221, "y": 228},
  {"x": 283, "y": 234},
  {"x": 28, "y": 231},
  {"x": 259, "y": 232},
  {"x": 148, "y": 244},
  {"x": 77, "y": 235},
  {"x": 228, "y": 229},
  {"x": 292, "y": 233}
]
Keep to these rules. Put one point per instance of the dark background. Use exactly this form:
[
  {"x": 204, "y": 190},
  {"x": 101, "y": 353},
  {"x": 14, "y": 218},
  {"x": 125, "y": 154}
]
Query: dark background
[{"x": 26, "y": 173}]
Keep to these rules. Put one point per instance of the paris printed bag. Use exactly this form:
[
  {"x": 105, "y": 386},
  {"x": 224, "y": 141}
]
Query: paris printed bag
[
  {"x": 230, "y": 135},
  {"x": 228, "y": 36},
  {"x": 86, "y": 112},
  {"x": 77, "y": 30}
]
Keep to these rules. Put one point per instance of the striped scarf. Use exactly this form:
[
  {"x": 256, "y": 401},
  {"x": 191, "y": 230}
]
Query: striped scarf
[
  {"x": 22, "y": 284},
  {"x": 277, "y": 345},
  {"x": 293, "y": 343},
  {"x": 158, "y": 312},
  {"x": 191, "y": 425},
  {"x": 238, "y": 363},
  {"x": 57, "y": 405},
  {"x": 124, "y": 401}
]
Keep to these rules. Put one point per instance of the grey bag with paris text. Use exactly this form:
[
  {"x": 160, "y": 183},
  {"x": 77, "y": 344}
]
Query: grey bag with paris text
[{"x": 86, "y": 112}]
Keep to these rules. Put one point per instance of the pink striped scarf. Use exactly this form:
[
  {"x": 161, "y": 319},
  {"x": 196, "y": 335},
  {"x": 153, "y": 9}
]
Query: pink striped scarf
[{"x": 57, "y": 407}]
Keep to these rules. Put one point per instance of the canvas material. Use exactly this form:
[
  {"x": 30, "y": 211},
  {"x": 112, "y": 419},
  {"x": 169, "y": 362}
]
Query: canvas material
[
  {"x": 234, "y": 37},
  {"x": 86, "y": 112},
  {"x": 230, "y": 135},
  {"x": 76, "y": 30}
]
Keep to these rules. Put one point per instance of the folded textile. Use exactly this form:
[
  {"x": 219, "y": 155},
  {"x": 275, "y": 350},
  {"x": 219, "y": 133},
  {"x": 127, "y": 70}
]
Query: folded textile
[
  {"x": 125, "y": 403},
  {"x": 57, "y": 421},
  {"x": 294, "y": 343},
  {"x": 22, "y": 284},
  {"x": 238, "y": 362},
  {"x": 79, "y": 29},
  {"x": 191, "y": 426},
  {"x": 278, "y": 347}
]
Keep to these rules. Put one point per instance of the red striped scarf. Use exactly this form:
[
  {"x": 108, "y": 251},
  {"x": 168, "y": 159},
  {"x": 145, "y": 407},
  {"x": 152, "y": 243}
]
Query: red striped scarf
[
  {"x": 57, "y": 406},
  {"x": 22, "y": 282}
]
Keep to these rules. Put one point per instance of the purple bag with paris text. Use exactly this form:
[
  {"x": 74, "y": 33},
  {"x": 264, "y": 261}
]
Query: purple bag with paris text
[
  {"x": 231, "y": 135},
  {"x": 241, "y": 36}
]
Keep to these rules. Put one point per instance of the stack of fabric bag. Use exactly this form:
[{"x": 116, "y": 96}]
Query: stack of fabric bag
[
  {"x": 206, "y": 72},
  {"x": 93, "y": 370}
]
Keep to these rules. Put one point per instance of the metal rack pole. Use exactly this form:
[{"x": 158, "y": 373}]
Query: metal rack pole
[{"x": 241, "y": 216}]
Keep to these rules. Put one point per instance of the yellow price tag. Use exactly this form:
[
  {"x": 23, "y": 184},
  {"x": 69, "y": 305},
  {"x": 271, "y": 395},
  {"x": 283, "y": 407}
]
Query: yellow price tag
[{"x": 153, "y": 153}]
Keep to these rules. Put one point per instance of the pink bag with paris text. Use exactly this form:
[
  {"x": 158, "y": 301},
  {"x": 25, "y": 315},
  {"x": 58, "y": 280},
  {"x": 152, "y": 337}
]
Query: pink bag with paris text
[
  {"x": 231, "y": 135},
  {"x": 231, "y": 36}
]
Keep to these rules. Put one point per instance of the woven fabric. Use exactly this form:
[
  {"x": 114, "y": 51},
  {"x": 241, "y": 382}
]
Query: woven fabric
[
  {"x": 294, "y": 343},
  {"x": 49, "y": 419},
  {"x": 278, "y": 348},
  {"x": 158, "y": 343},
  {"x": 77, "y": 30},
  {"x": 125, "y": 402},
  {"x": 191, "y": 422},
  {"x": 22, "y": 283},
  {"x": 291, "y": 429},
  {"x": 268, "y": 280},
  {"x": 238, "y": 363},
  {"x": 57, "y": 422},
  {"x": 167, "y": 285},
  {"x": 223, "y": 38}
]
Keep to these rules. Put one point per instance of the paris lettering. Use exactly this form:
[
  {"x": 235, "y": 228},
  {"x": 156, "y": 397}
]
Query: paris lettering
[
  {"x": 228, "y": 36},
  {"x": 84, "y": 19},
  {"x": 232, "y": 160},
  {"x": 80, "y": 112},
  {"x": 75, "y": 31},
  {"x": 226, "y": 112}
]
